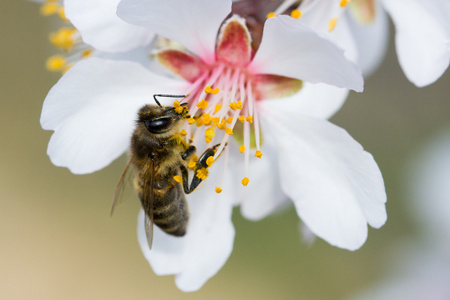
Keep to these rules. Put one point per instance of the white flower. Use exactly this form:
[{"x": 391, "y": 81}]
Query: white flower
[
  {"x": 361, "y": 27},
  {"x": 335, "y": 185}
]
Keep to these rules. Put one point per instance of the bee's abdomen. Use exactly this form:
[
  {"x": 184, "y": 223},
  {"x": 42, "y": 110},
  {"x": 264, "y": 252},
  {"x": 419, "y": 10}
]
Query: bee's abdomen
[{"x": 170, "y": 210}]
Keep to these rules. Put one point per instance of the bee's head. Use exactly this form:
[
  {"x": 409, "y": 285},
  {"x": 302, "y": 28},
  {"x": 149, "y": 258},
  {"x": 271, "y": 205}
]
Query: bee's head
[{"x": 160, "y": 119}]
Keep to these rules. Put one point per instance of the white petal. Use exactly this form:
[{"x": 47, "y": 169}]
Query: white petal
[
  {"x": 291, "y": 49},
  {"x": 92, "y": 110},
  {"x": 422, "y": 37},
  {"x": 194, "y": 24},
  {"x": 335, "y": 185},
  {"x": 371, "y": 39},
  {"x": 314, "y": 100},
  {"x": 100, "y": 27},
  {"x": 204, "y": 249}
]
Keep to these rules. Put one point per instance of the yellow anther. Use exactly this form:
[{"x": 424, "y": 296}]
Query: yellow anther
[
  {"x": 202, "y": 173},
  {"x": 296, "y": 14},
  {"x": 229, "y": 131},
  {"x": 178, "y": 107},
  {"x": 245, "y": 181},
  {"x": 236, "y": 105},
  {"x": 209, "y": 161},
  {"x": 86, "y": 53},
  {"x": 199, "y": 122},
  {"x": 271, "y": 15},
  {"x": 210, "y": 90},
  {"x": 215, "y": 120},
  {"x": 249, "y": 119},
  {"x": 209, "y": 134},
  {"x": 222, "y": 125},
  {"x": 332, "y": 24},
  {"x": 191, "y": 121},
  {"x": 56, "y": 63},
  {"x": 48, "y": 9},
  {"x": 202, "y": 104},
  {"x": 63, "y": 38},
  {"x": 192, "y": 164},
  {"x": 241, "y": 119},
  {"x": 183, "y": 132},
  {"x": 258, "y": 154},
  {"x": 229, "y": 120},
  {"x": 217, "y": 108},
  {"x": 345, "y": 2},
  {"x": 178, "y": 178},
  {"x": 218, "y": 190},
  {"x": 207, "y": 119},
  {"x": 242, "y": 149}
]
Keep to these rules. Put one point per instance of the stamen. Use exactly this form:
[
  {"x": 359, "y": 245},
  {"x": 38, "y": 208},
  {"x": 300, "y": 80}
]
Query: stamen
[
  {"x": 271, "y": 15},
  {"x": 245, "y": 181},
  {"x": 210, "y": 90},
  {"x": 183, "y": 132},
  {"x": 56, "y": 63},
  {"x": 258, "y": 154},
  {"x": 178, "y": 107},
  {"x": 49, "y": 9},
  {"x": 229, "y": 131},
  {"x": 191, "y": 121},
  {"x": 241, "y": 119},
  {"x": 345, "y": 2},
  {"x": 217, "y": 108},
  {"x": 242, "y": 148},
  {"x": 178, "y": 178},
  {"x": 218, "y": 190},
  {"x": 297, "y": 13},
  {"x": 332, "y": 24},
  {"x": 202, "y": 104},
  {"x": 249, "y": 119}
]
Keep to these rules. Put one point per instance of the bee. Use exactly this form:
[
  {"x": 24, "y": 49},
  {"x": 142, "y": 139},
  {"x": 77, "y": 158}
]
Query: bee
[{"x": 159, "y": 155}]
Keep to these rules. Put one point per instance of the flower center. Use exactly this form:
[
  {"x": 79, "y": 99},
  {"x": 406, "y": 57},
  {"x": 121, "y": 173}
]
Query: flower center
[{"x": 221, "y": 105}]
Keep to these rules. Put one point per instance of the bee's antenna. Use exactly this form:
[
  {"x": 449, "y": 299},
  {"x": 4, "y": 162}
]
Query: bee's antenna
[{"x": 167, "y": 96}]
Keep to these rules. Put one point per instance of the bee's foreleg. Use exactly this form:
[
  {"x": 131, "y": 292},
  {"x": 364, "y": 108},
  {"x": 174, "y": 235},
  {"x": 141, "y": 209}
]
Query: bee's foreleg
[
  {"x": 189, "y": 151},
  {"x": 201, "y": 163},
  {"x": 185, "y": 178}
]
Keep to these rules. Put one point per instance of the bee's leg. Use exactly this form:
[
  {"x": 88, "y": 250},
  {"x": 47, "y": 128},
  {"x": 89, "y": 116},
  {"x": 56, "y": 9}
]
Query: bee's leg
[
  {"x": 201, "y": 163},
  {"x": 185, "y": 177},
  {"x": 189, "y": 151}
]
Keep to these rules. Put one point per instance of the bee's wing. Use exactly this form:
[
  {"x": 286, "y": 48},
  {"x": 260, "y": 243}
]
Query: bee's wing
[
  {"x": 147, "y": 201},
  {"x": 121, "y": 186}
]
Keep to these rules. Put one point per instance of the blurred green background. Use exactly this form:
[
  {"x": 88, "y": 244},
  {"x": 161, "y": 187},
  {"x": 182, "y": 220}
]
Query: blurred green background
[{"x": 57, "y": 240}]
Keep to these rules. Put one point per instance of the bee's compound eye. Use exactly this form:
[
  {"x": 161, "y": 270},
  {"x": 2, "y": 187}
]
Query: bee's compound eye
[{"x": 159, "y": 125}]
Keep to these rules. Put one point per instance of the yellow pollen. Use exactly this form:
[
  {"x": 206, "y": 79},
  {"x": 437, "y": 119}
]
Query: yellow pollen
[
  {"x": 202, "y": 173},
  {"x": 209, "y": 161},
  {"x": 209, "y": 134},
  {"x": 222, "y": 125},
  {"x": 241, "y": 119},
  {"x": 296, "y": 14},
  {"x": 191, "y": 121},
  {"x": 199, "y": 122},
  {"x": 236, "y": 105},
  {"x": 229, "y": 131},
  {"x": 177, "y": 178},
  {"x": 215, "y": 120},
  {"x": 63, "y": 38},
  {"x": 245, "y": 181},
  {"x": 192, "y": 164},
  {"x": 217, "y": 108},
  {"x": 332, "y": 24},
  {"x": 271, "y": 15},
  {"x": 183, "y": 132},
  {"x": 249, "y": 119},
  {"x": 242, "y": 149},
  {"x": 86, "y": 53},
  {"x": 345, "y": 2},
  {"x": 258, "y": 154},
  {"x": 178, "y": 107},
  {"x": 229, "y": 120},
  {"x": 218, "y": 190},
  {"x": 210, "y": 90},
  {"x": 202, "y": 104},
  {"x": 56, "y": 63},
  {"x": 48, "y": 9},
  {"x": 207, "y": 119}
]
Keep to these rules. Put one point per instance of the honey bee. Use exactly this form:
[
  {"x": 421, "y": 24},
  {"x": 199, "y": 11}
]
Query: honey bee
[{"x": 159, "y": 154}]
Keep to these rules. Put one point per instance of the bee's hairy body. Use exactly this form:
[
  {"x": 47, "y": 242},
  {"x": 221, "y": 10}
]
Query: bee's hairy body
[{"x": 170, "y": 211}]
